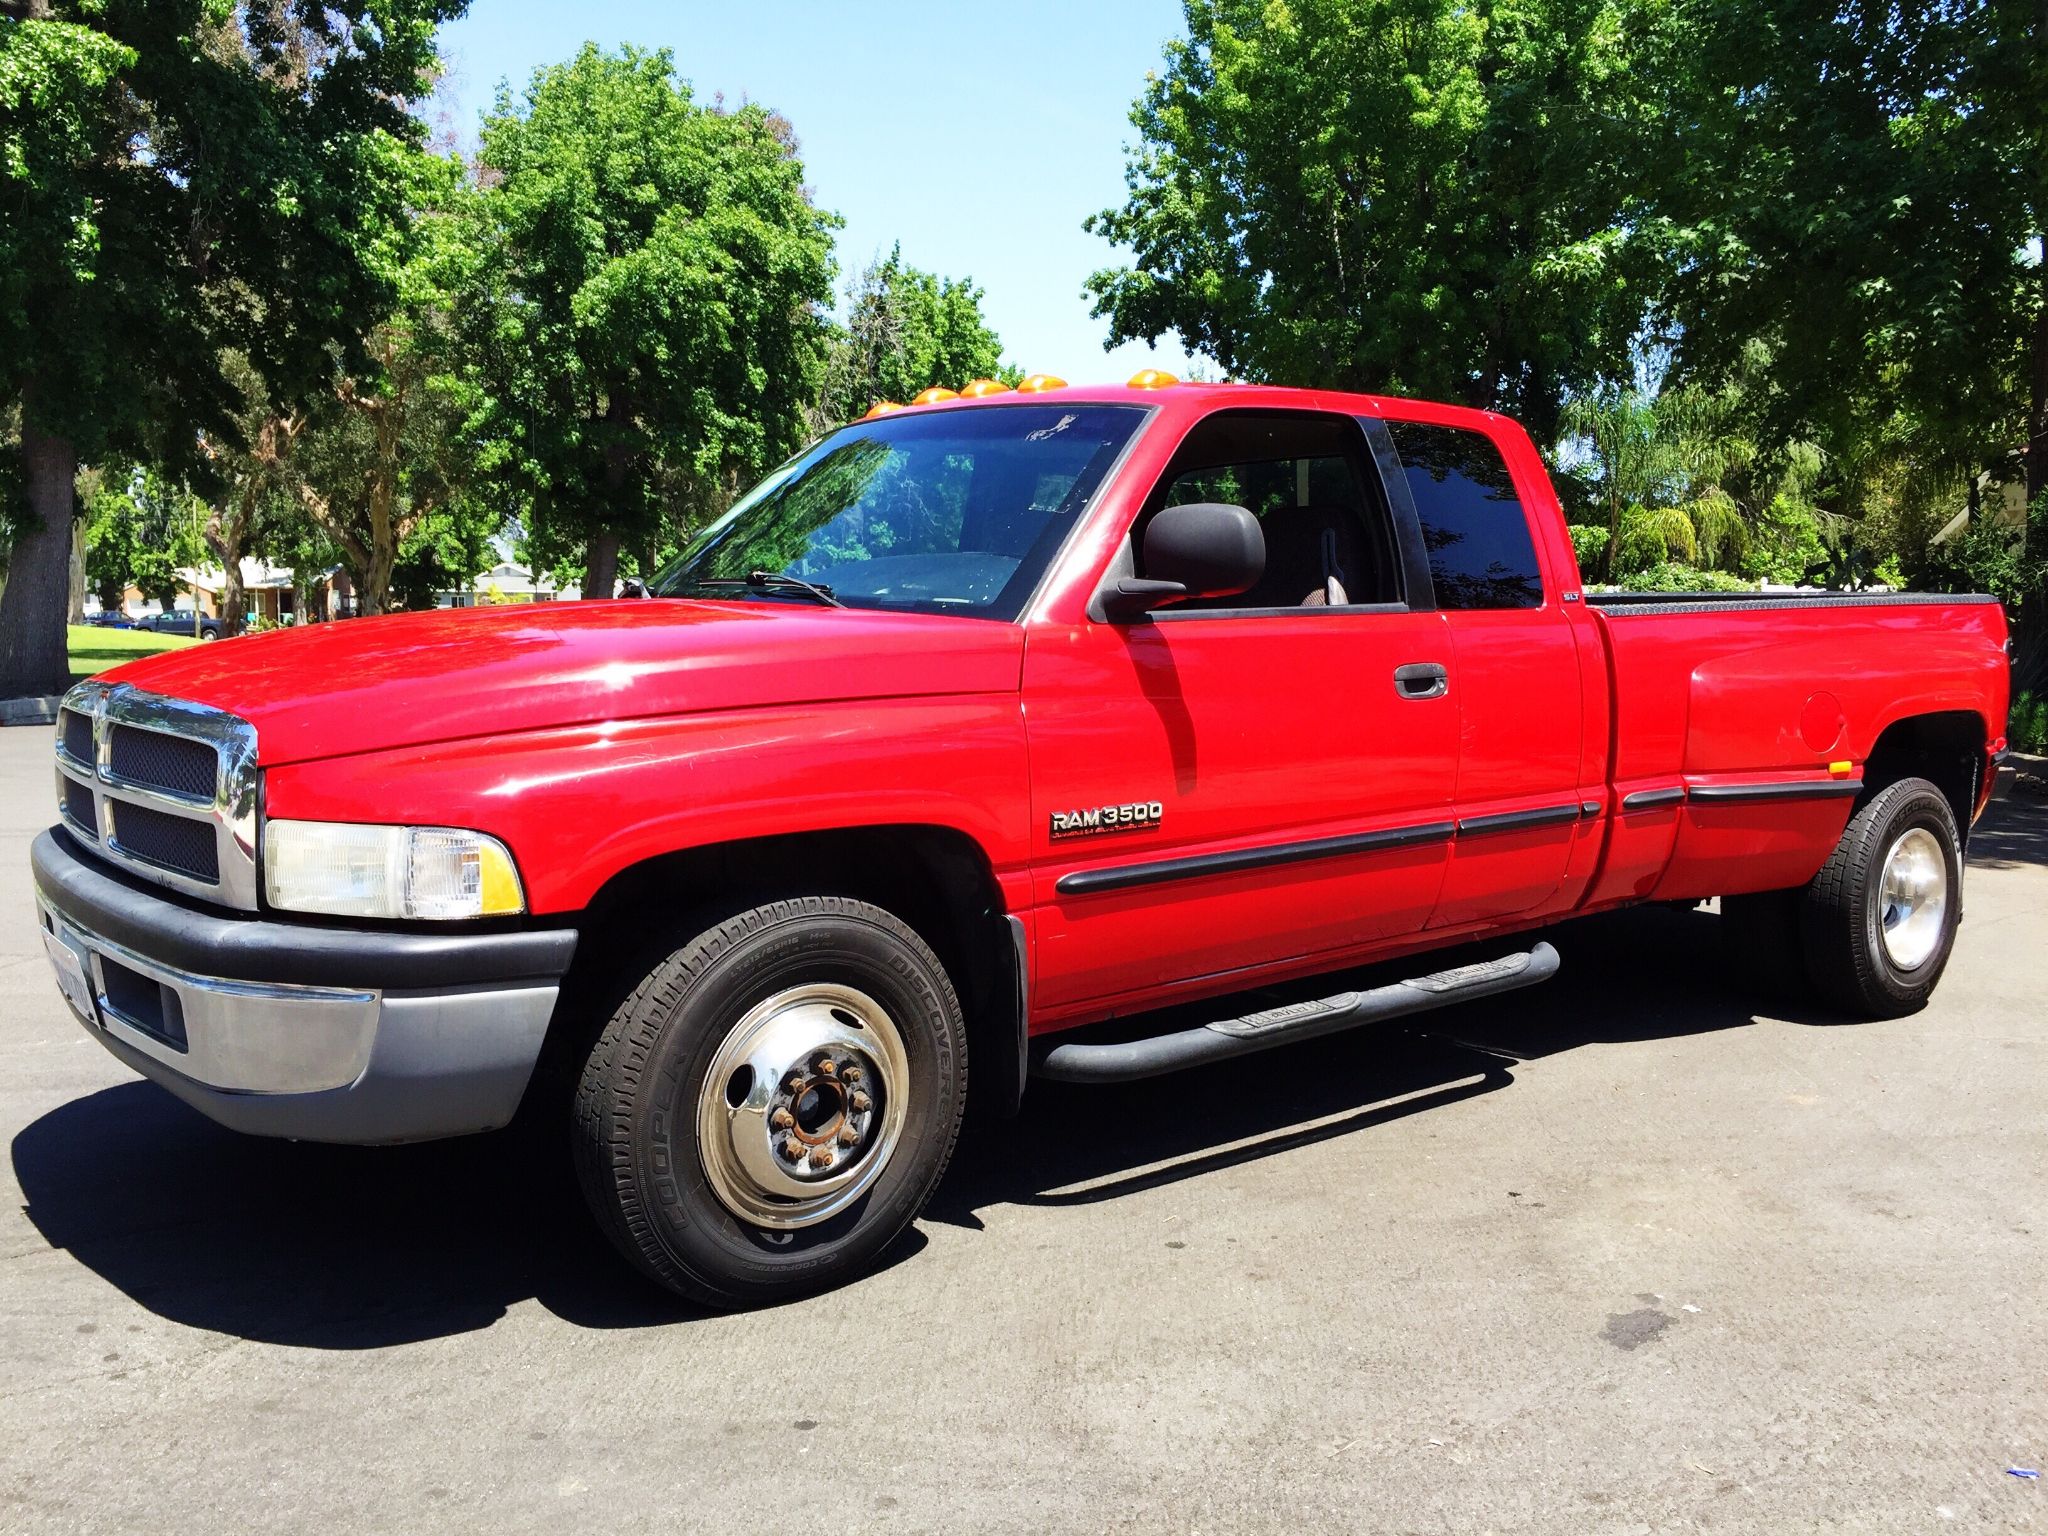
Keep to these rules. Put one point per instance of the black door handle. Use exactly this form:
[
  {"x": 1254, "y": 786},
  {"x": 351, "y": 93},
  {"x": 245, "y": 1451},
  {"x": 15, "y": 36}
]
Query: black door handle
[{"x": 1422, "y": 680}]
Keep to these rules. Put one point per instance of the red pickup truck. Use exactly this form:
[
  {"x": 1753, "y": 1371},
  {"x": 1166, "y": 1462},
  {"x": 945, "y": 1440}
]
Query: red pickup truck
[{"x": 980, "y": 724}]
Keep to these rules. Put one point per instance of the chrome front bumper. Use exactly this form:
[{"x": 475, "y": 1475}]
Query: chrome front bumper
[{"x": 388, "y": 1036}]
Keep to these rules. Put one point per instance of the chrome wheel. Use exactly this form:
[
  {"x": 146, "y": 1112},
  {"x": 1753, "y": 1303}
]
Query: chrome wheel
[
  {"x": 803, "y": 1105},
  {"x": 1913, "y": 898}
]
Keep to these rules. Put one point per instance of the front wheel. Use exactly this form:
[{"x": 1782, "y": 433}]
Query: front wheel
[
  {"x": 1880, "y": 918},
  {"x": 774, "y": 1102}
]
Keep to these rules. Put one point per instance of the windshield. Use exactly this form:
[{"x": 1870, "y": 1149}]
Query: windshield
[{"x": 948, "y": 512}]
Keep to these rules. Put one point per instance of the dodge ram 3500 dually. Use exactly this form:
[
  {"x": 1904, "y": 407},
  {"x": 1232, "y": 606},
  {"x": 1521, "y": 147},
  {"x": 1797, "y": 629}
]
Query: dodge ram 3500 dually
[{"x": 977, "y": 724}]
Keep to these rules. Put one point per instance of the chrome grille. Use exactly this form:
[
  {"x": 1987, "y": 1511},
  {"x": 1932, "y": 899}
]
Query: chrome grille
[
  {"x": 177, "y": 765},
  {"x": 166, "y": 787},
  {"x": 77, "y": 736},
  {"x": 180, "y": 844},
  {"x": 75, "y": 800}
]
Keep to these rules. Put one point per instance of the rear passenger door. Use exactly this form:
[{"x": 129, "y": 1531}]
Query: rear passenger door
[{"x": 1520, "y": 711}]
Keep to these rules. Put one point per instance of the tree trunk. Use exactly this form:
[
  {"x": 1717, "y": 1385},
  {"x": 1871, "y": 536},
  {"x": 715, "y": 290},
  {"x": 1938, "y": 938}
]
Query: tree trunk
[
  {"x": 2030, "y": 659},
  {"x": 223, "y": 535},
  {"x": 34, "y": 657},
  {"x": 77, "y": 613},
  {"x": 601, "y": 573},
  {"x": 602, "y": 577},
  {"x": 234, "y": 599},
  {"x": 1613, "y": 537}
]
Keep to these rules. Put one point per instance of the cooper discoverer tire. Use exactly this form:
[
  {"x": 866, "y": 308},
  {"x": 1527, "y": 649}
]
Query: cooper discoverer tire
[
  {"x": 1879, "y": 920},
  {"x": 774, "y": 1103}
]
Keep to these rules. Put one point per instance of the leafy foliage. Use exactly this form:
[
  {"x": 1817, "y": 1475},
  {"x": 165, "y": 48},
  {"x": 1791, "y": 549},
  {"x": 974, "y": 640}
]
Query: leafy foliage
[
  {"x": 183, "y": 179},
  {"x": 1405, "y": 195},
  {"x": 388, "y": 449},
  {"x": 1678, "y": 576},
  {"x": 905, "y": 330},
  {"x": 655, "y": 277},
  {"x": 2027, "y": 726}
]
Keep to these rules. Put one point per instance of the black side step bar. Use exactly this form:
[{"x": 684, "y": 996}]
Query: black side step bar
[{"x": 1078, "y": 1061}]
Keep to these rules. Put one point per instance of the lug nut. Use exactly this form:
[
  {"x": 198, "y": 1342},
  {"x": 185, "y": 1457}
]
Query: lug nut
[
  {"x": 793, "y": 1083},
  {"x": 860, "y": 1103},
  {"x": 848, "y": 1135},
  {"x": 821, "y": 1157},
  {"x": 782, "y": 1119},
  {"x": 853, "y": 1074},
  {"x": 828, "y": 1067},
  {"x": 793, "y": 1150}
]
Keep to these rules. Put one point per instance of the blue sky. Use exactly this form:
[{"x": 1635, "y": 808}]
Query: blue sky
[{"x": 978, "y": 135}]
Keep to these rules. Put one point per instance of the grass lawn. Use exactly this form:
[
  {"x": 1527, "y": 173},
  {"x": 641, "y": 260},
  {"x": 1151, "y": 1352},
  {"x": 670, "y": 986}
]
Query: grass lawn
[{"x": 94, "y": 650}]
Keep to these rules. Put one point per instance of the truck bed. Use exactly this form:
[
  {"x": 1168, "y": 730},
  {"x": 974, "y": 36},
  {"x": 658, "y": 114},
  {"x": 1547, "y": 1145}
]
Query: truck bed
[{"x": 1741, "y": 725}]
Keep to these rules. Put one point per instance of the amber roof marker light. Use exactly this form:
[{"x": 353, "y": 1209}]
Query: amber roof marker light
[
  {"x": 1151, "y": 378},
  {"x": 1039, "y": 383},
  {"x": 934, "y": 395},
  {"x": 881, "y": 408},
  {"x": 981, "y": 387}
]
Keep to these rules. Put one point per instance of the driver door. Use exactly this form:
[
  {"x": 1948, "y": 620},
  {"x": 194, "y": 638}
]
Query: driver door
[{"x": 1242, "y": 785}]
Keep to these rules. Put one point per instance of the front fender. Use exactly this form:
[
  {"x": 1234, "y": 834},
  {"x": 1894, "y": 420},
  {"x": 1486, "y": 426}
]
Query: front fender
[{"x": 577, "y": 805}]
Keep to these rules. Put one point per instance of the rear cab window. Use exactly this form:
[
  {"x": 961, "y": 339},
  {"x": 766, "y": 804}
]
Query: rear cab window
[{"x": 1474, "y": 528}]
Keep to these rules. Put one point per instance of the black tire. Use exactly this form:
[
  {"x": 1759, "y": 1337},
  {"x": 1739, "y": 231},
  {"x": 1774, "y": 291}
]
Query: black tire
[
  {"x": 1760, "y": 940},
  {"x": 637, "y": 1152},
  {"x": 1842, "y": 916}
]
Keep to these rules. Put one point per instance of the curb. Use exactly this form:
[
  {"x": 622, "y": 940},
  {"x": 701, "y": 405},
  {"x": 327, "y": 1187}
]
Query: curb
[{"x": 30, "y": 711}]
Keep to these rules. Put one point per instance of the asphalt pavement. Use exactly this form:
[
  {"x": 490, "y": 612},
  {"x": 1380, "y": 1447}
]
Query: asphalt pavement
[{"x": 1625, "y": 1253}]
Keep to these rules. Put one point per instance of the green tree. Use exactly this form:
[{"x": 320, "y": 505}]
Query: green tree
[
  {"x": 252, "y": 474},
  {"x": 657, "y": 289},
  {"x": 390, "y": 446},
  {"x": 906, "y": 329},
  {"x": 182, "y": 179},
  {"x": 112, "y": 532},
  {"x": 1631, "y": 462},
  {"x": 1864, "y": 189},
  {"x": 1415, "y": 195}
]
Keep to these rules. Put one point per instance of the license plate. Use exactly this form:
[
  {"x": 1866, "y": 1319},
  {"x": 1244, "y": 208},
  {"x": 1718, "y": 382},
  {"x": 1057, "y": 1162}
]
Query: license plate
[{"x": 71, "y": 978}]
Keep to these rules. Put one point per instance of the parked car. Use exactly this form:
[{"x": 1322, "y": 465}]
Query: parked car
[
  {"x": 109, "y": 618},
  {"x": 179, "y": 622},
  {"x": 974, "y": 726}
]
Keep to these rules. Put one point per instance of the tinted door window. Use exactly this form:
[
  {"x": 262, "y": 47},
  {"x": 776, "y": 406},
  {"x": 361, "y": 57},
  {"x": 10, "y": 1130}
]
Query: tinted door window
[{"x": 1472, "y": 522}]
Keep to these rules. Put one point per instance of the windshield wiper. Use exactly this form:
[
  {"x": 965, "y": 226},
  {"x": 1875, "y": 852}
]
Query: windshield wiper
[{"x": 776, "y": 581}]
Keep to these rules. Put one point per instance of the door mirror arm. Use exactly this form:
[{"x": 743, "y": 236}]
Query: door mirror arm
[{"x": 1133, "y": 597}]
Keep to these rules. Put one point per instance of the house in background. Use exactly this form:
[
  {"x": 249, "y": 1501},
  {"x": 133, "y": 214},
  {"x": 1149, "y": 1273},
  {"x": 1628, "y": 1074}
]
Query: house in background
[
  {"x": 506, "y": 582},
  {"x": 270, "y": 593},
  {"x": 2002, "y": 502},
  {"x": 267, "y": 591}
]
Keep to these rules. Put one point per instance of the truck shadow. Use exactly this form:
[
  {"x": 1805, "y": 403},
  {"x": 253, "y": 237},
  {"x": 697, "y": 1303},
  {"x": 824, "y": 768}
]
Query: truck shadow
[
  {"x": 358, "y": 1248},
  {"x": 1651, "y": 973},
  {"x": 2012, "y": 833}
]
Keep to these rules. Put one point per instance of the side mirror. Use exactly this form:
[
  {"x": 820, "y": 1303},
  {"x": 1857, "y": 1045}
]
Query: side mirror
[{"x": 1203, "y": 549}]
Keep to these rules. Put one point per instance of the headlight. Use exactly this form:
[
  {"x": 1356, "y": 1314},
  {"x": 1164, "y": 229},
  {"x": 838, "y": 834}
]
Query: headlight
[{"x": 351, "y": 870}]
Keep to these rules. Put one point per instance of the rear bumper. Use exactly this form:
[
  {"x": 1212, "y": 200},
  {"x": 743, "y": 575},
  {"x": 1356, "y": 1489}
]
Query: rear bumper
[{"x": 288, "y": 1029}]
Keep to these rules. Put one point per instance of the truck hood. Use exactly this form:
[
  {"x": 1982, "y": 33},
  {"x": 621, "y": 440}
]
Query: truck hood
[{"x": 368, "y": 685}]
